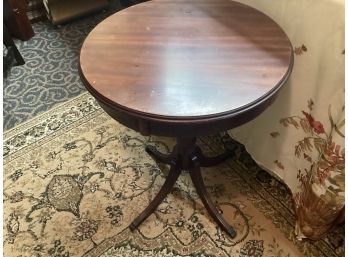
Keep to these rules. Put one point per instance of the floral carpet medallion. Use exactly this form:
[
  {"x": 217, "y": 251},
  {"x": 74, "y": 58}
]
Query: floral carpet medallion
[{"x": 74, "y": 179}]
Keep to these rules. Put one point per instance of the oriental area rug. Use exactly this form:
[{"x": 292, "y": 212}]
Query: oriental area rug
[{"x": 74, "y": 179}]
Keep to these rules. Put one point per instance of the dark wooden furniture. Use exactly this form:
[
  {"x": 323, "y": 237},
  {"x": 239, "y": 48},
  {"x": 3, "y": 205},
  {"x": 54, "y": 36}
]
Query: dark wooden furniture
[
  {"x": 183, "y": 69},
  {"x": 12, "y": 23},
  {"x": 12, "y": 49},
  {"x": 16, "y": 20}
]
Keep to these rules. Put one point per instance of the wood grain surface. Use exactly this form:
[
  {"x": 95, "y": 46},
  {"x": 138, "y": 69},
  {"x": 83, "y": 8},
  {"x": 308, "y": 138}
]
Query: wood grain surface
[
  {"x": 185, "y": 68},
  {"x": 185, "y": 59}
]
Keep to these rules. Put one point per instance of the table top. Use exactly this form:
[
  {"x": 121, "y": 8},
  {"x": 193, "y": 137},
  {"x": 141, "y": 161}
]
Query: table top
[{"x": 185, "y": 59}]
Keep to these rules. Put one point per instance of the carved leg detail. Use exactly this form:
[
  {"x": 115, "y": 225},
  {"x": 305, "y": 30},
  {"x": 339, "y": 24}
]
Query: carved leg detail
[
  {"x": 197, "y": 180},
  {"x": 173, "y": 175},
  {"x": 158, "y": 156},
  {"x": 185, "y": 155}
]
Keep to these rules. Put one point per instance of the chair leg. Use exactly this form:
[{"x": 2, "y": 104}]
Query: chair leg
[{"x": 9, "y": 43}]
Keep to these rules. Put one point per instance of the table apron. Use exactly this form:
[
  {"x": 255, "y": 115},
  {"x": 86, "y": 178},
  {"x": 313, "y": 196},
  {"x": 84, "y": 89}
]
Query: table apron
[{"x": 182, "y": 128}]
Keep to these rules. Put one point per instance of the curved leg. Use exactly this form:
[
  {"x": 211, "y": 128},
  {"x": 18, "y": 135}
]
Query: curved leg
[
  {"x": 211, "y": 161},
  {"x": 173, "y": 175},
  {"x": 158, "y": 156},
  {"x": 195, "y": 173}
]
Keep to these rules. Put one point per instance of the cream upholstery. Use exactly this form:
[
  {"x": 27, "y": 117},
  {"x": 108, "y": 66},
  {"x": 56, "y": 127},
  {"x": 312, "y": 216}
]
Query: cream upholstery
[{"x": 300, "y": 138}]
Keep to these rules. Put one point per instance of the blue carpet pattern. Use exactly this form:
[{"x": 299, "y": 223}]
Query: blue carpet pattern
[{"x": 50, "y": 74}]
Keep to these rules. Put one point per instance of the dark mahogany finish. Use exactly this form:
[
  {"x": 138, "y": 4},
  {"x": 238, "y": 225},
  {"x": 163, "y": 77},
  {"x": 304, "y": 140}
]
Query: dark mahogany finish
[
  {"x": 186, "y": 155},
  {"x": 183, "y": 69}
]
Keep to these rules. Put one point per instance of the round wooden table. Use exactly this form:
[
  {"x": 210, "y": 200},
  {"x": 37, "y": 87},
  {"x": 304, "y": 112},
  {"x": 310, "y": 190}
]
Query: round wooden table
[{"x": 183, "y": 69}]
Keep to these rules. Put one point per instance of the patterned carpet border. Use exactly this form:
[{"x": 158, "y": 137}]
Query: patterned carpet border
[
  {"x": 258, "y": 189},
  {"x": 47, "y": 123}
]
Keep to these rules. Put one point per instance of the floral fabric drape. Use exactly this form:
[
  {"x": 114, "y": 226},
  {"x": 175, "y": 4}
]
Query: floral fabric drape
[{"x": 300, "y": 138}]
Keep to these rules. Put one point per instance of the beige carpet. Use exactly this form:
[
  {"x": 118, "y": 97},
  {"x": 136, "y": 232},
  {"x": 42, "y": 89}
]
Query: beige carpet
[{"x": 74, "y": 179}]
